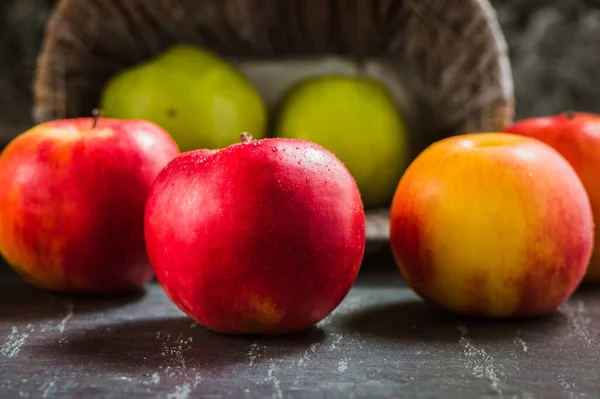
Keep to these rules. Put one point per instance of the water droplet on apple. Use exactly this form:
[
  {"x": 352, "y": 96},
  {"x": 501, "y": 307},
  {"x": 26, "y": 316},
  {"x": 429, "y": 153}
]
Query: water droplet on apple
[
  {"x": 307, "y": 179},
  {"x": 274, "y": 149}
]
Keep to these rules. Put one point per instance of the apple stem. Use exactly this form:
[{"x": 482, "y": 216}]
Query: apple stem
[
  {"x": 96, "y": 114},
  {"x": 569, "y": 115},
  {"x": 245, "y": 137}
]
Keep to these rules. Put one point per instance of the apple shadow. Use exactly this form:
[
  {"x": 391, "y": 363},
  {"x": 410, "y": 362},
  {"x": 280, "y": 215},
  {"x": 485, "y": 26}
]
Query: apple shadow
[
  {"x": 420, "y": 321},
  {"x": 22, "y": 302},
  {"x": 587, "y": 290},
  {"x": 175, "y": 342}
]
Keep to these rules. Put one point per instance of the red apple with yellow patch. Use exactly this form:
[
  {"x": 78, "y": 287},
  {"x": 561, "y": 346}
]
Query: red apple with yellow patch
[
  {"x": 262, "y": 237},
  {"x": 72, "y": 198},
  {"x": 576, "y": 136},
  {"x": 493, "y": 225}
]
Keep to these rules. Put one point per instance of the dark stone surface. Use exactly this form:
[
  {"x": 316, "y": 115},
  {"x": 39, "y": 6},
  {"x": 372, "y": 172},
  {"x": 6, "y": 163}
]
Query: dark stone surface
[
  {"x": 382, "y": 342},
  {"x": 555, "y": 53}
]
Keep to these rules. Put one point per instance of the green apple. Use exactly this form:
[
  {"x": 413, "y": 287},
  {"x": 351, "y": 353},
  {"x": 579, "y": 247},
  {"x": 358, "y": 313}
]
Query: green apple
[
  {"x": 199, "y": 98},
  {"x": 357, "y": 119}
]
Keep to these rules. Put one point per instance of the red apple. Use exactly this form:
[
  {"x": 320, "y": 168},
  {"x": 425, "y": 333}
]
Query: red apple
[
  {"x": 492, "y": 224},
  {"x": 262, "y": 237},
  {"x": 72, "y": 198},
  {"x": 576, "y": 136}
]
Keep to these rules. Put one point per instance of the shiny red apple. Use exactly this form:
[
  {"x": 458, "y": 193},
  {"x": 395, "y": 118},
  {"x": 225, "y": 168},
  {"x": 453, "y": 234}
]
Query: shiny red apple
[
  {"x": 261, "y": 237},
  {"x": 72, "y": 198}
]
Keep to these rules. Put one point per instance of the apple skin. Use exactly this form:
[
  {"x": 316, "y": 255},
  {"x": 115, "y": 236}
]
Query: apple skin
[
  {"x": 492, "y": 225},
  {"x": 263, "y": 237},
  {"x": 576, "y": 136},
  {"x": 72, "y": 201}
]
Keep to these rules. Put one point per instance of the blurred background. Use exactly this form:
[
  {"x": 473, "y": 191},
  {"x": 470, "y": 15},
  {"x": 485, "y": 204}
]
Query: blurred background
[{"x": 554, "y": 51}]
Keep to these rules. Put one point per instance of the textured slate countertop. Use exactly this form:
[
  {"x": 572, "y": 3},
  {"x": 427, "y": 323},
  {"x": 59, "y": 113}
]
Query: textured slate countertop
[{"x": 382, "y": 342}]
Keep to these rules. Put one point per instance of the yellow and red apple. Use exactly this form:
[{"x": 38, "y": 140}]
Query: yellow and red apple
[
  {"x": 72, "y": 198},
  {"x": 576, "y": 136},
  {"x": 493, "y": 225}
]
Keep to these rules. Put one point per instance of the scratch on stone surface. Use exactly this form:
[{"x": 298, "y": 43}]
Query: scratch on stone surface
[
  {"x": 342, "y": 365},
  {"x": 481, "y": 363},
  {"x": 524, "y": 345},
  {"x": 181, "y": 391},
  {"x": 15, "y": 341},
  {"x": 60, "y": 327},
  {"x": 125, "y": 378},
  {"x": 338, "y": 339},
  {"x": 63, "y": 323},
  {"x": 154, "y": 379},
  {"x": 302, "y": 361},
  {"x": 277, "y": 392},
  {"x": 253, "y": 353},
  {"x": 174, "y": 352},
  {"x": 564, "y": 383},
  {"x": 306, "y": 357},
  {"x": 48, "y": 388},
  {"x": 184, "y": 390},
  {"x": 580, "y": 322}
]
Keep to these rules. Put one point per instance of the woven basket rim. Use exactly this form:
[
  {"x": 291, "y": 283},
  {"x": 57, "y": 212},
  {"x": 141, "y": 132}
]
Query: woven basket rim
[
  {"x": 506, "y": 76},
  {"x": 44, "y": 65}
]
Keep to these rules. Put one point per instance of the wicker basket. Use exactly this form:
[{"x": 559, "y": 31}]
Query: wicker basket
[{"x": 449, "y": 55}]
